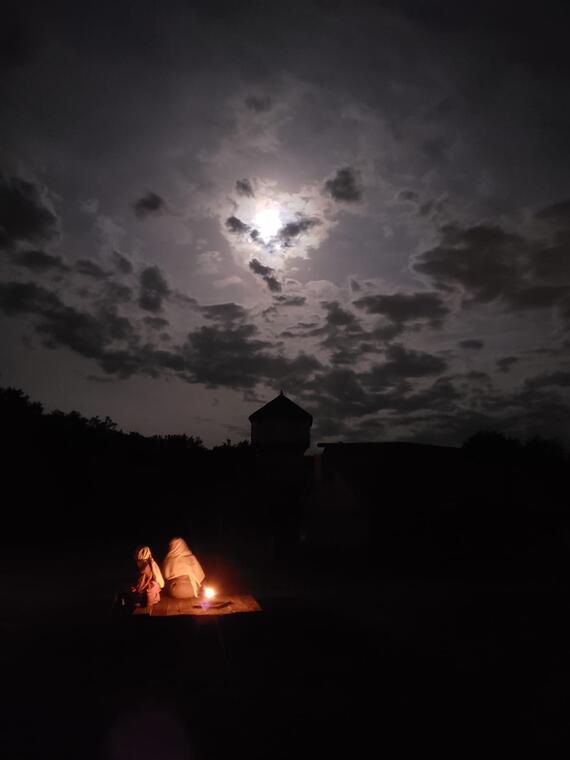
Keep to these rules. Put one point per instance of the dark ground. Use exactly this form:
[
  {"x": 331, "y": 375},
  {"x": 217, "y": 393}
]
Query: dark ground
[{"x": 341, "y": 662}]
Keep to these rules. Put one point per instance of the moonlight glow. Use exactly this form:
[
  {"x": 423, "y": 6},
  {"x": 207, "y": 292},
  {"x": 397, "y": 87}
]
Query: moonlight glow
[{"x": 268, "y": 222}]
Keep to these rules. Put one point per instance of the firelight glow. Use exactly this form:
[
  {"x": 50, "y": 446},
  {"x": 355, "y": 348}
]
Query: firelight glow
[
  {"x": 268, "y": 222},
  {"x": 209, "y": 592}
]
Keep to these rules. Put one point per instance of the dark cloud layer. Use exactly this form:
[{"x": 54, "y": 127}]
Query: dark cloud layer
[
  {"x": 506, "y": 362},
  {"x": 471, "y": 344},
  {"x": 150, "y": 204},
  {"x": 267, "y": 274},
  {"x": 224, "y": 312},
  {"x": 122, "y": 264},
  {"x": 90, "y": 269},
  {"x": 482, "y": 260},
  {"x": 344, "y": 186},
  {"x": 290, "y": 300},
  {"x": 156, "y": 323},
  {"x": 154, "y": 289},
  {"x": 24, "y": 216},
  {"x": 292, "y": 230},
  {"x": 259, "y": 103},
  {"x": 232, "y": 357},
  {"x": 486, "y": 264},
  {"x": 236, "y": 226},
  {"x": 59, "y": 325},
  {"x": 237, "y": 358},
  {"x": 402, "y": 364},
  {"x": 39, "y": 261},
  {"x": 245, "y": 188},
  {"x": 401, "y": 308},
  {"x": 448, "y": 119}
]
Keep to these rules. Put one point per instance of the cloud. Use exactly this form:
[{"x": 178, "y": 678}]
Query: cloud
[
  {"x": 24, "y": 216},
  {"x": 259, "y": 103},
  {"x": 90, "y": 269},
  {"x": 290, "y": 300},
  {"x": 224, "y": 312},
  {"x": 551, "y": 264},
  {"x": 156, "y": 323},
  {"x": 408, "y": 196},
  {"x": 225, "y": 355},
  {"x": 337, "y": 393},
  {"x": 89, "y": 335},
  {"x": 121, "y": 263},
  {"x": 487, "y": 264},
  {"x": 478, "y": 377},
  {"x": 402, "y": 364},
  {"x": 245, "y": 188},
  {"x": 154, "y": 289},
  {"x": 40, "y": 262},
  {"x": 482, "y": 260},
  {"x": 236, "y": 226},
  {"x": 236, "y": 358},
  {"x": 292, "y": 230},
  {"x": 116, "y": 292},
  {"x": 344, "y": 186},
  {"x": 560, "y": 379},
  {"x": 337, "y": 316},
  {"x": 536, "y": 297},
  {"x": 557, "y": 213},
  {"x": 401, "y": 308},
  {"x": 26, "y": 298},
  {"x": 342, "y": 334},
  {"x": 506, "y": 362},
  {"x": 471, "y": 344},
  {"x": 149, "y": 204},
  {"x": 267, "y": 273}
]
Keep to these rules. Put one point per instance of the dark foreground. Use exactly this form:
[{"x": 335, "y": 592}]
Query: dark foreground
[{"x": 338, "y": 664}]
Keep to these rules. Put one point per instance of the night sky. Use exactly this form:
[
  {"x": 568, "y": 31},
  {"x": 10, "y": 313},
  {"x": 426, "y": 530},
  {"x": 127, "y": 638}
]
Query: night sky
[{"x": 365, "y": 204}]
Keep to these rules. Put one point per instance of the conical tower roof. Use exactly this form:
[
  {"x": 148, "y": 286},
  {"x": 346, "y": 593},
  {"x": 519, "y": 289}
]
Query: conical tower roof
[{"x": 281, "y": 408}]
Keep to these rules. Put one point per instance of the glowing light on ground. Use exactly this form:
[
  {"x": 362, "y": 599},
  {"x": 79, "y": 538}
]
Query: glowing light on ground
[
  {"x": 209, "y": 592},
  {"x": 268, "y": 222}
]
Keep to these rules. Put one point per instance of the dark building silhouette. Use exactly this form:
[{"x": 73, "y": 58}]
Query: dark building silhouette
[
  {"x": 281, "y": 426},
  {"x": 280, "y": 434},
  {"x": 377, "y": 494}
]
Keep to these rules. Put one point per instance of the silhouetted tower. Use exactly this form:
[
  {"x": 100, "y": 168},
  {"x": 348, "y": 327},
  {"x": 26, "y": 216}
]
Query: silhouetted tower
[
  {"x": 280, "y": 434},
  {"x": 281, "y": 427}
]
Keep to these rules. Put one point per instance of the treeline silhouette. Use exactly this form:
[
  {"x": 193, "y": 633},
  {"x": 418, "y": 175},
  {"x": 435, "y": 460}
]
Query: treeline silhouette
[
  {"x": 66, "y": 475},
  {"x": 515, "y": 512},
  {"x": 494, "y": 500}
]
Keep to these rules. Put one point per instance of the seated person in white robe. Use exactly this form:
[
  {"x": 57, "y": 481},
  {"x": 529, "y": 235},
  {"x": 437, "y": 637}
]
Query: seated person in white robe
[{"x": 182, "y": 571}]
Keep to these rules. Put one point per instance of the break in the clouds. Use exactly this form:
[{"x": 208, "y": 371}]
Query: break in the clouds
[{"x": 218, "y": 204}]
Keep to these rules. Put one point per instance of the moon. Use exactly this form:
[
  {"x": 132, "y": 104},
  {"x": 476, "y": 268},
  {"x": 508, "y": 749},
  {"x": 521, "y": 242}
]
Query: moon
[{"x": 268, "y": 222}]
